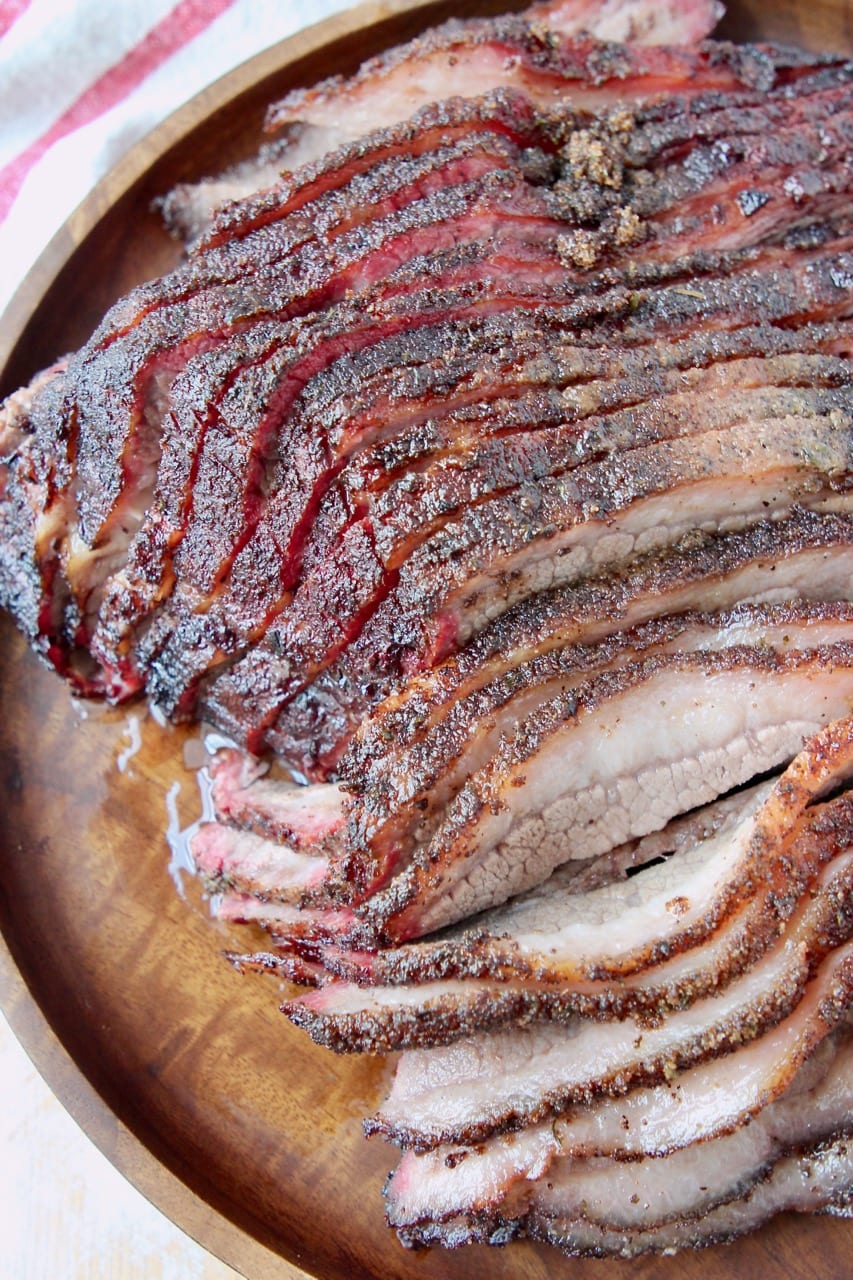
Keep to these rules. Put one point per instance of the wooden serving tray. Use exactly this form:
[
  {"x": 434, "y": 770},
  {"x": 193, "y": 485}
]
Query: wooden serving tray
[{"x": 183, "y": 1073}]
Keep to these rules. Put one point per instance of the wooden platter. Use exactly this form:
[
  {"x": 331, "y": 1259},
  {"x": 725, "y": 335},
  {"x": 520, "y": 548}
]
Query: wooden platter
[{"x": 111, "y": 972}]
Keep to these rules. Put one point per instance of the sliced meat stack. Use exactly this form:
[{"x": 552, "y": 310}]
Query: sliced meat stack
[
  {"x": 492, "y": 467},
  {"x": 651, "y": 1049}
]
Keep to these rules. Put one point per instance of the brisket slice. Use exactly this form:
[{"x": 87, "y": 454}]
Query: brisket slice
[
  {"x": 310, "y": 627},
  {"x": 301, "y": 283},
  {"x": 413, "y": 399},
  {"x": 244, "y": 796},
  {"x": 683, "y": 178},
  {"x": 28, "y": 572},
  {"x": 197, "y": 447},
  {"x": 145, "y": 353},
  {"x": 815, "y": 1179},
  {"x": 709, "y": 1100},
  {"x": 116, "y": 447},
  {"x": 596, "y": 157},
  {"x": 188, "y": 209},
  {"x": 811, "y": 1177},
  {"x": 312, "y": 926},
  {"x": 301, "y": 935},
  {"x": 382, "y": 829},
  {"x": 820, "y": 146},
  {"x": 217, "y": 842},
  {"x": 503, "y": 1080},
  {"x": 336, "y": 169},
  {"x": 683, "y": 1185},
  {"x": 207, "y": 434},
  {"x": 558, "y": 949},
  {"x": 227, "y": 858},
  {"x": 496, "y": 442},
  {"x": 361, "y": 536},
  {"x": 417, "y": 746},
  {"x": 670, "y": 1185},
  {"x": 461, "y": 141},
  {"x": 474, "y": 57},
  {"x": 388, "y": 766},
  {"x": 496, "y": 838},
  {"x": 379, "y": 1019},
  {"x": 267, "y": 367}
]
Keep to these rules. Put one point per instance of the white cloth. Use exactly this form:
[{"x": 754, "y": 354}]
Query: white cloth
[{"x": 82, "y": 80}]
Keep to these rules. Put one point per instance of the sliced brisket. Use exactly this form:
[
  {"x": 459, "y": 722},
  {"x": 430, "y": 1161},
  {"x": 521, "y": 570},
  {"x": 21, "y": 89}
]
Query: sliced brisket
[
  {"x": 709, "y": 1100},
  {"x": 493, "y": 468},
  {"x": 500, "y": 1081}
]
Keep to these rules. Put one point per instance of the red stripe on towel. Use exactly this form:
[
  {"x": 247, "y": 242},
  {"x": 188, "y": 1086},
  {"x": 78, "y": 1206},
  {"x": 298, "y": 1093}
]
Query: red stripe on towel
[
  {"x": 187, "y": 20},
  {"x": 10, "y": 12}
]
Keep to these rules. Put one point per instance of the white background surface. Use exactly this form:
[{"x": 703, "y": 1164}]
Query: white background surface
[
  {"x": 65, "y": 1212},
  {"x": 44, "y": 61}
]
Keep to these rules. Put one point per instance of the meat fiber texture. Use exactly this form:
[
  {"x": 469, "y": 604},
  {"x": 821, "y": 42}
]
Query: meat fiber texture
[{"x": 486, "y": 465}]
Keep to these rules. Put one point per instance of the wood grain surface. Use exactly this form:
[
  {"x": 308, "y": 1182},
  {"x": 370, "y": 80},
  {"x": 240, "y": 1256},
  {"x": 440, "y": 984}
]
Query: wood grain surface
[{"x": 182, "y": 1072}]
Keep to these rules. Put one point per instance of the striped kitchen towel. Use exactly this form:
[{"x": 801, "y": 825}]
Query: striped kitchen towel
[{"x": 82, "y": 80}]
